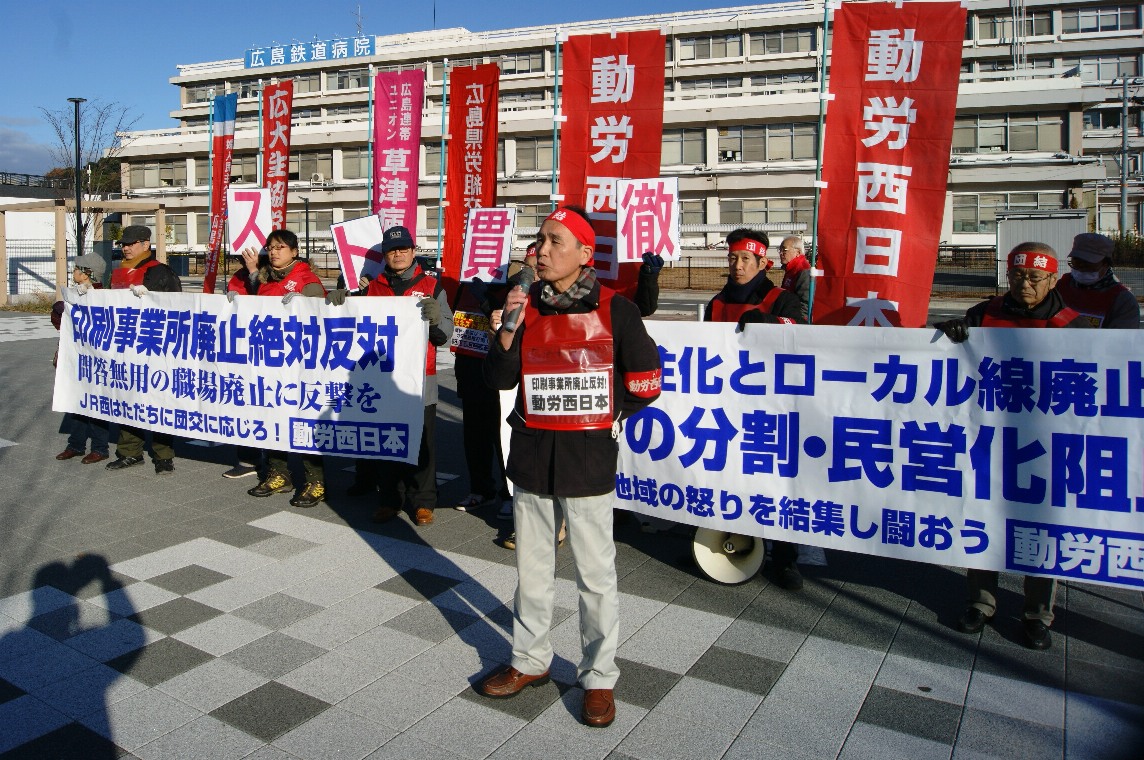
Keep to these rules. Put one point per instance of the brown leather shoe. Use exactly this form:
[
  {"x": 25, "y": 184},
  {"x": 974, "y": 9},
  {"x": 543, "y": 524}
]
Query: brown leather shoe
[
  {"x": 93, "y": 457},
  {"x": 68, "y": 454},
  {"x": 423, "y": 516},
  {"x": 385, "y": 514},
  {"x": 509, "y": 682},
  {"x": 599, "y": 708}
]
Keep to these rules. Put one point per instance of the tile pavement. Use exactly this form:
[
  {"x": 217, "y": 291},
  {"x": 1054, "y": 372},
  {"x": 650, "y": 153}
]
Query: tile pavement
[{"x": 176, "y": 617}]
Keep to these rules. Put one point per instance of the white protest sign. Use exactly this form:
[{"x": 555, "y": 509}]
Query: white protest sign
[
  {"x": 248, "y": 218},
  {"x": 488, "y": 244},
  {"x": 358, "y": 242},
  {"x": 647, "y": 218}
]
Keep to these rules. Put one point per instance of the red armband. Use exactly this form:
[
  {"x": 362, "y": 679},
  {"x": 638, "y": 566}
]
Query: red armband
[{"x": 643, "y": 384}]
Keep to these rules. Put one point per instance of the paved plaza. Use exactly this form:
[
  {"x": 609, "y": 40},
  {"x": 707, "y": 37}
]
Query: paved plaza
[{"x": 177, "y": 617}]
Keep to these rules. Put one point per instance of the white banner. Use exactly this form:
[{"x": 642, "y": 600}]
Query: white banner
[
  {"x": 358, "y": 242},
  {"x": 303, "y": 376},
  {"x": 247, "y": 218},
  {"x": 1019, "y": 450},
  {"x": 647, "y": 218},
  {"x": 488, "y": 244}
]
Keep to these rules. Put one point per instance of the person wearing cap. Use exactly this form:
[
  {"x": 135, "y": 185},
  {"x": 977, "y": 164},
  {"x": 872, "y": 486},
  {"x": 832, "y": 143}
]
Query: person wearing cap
[
  {"x": 1092, "y": 288},
  {"x": 570, "y": 333},
  {"x": 796, "y": 272},
  {"x": 1032, "y": 301},
  {"x": 88, "y": 273},
  {"x": 141, "y": 272},
  {"x": 403, "y": 276},
  {"x": 750, "y": 297}
]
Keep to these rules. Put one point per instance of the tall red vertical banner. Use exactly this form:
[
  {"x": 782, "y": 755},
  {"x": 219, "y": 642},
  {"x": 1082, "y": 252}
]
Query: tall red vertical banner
[
  {"x": 612, "y": 97},
  {"x": 397, "y": 101},
  {"x": 277, "y": 107},
  {"x": 222, "y": 154},
  {"x": 471, "y": 176},
  {"x": 893, "y": 77}
]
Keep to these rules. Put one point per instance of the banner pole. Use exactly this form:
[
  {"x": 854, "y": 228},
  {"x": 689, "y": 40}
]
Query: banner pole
[
  {"x": 210, "y": 169},
  {"x": 369, "y": 147},
  {"x": 821, "y": 143},
  {"x": 555, "y": 121},
  {"x": 441, "y": 169},
  {"x": 261, "y": 158}
]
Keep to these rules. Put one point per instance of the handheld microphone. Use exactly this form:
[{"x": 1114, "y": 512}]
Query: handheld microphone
[{"x": 527, "y": 277}]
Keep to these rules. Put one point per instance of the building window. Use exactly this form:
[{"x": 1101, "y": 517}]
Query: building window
[
  {"x": 1105, "y": 68},
  {"x": 684, "y": 146},
  {"x": 1000, "y": 25},
  {"x": 347, "y": 80},
  {"x": 977, "y": 213},
  {"x": 320, "y": 221},
  {"x": 531, "y": 214},
  {"x": 507, "y": 99},
  {"x": 202, "y": 93},
  {"x": 202, "y": 228},
  {"x": 1108, "y": 216},
  {"x": 791, "y": 211},
  {"x": 775, "y": 41},
  {"x": 713, "y": 87},
  {"x": 522, "y": 63},
  {"x": 773, "y": 142},
  {"x": 348, "y": 113},
  {"x": 457, "y": 63},
  {"x": 244, "y": 167},
  {"x": 311, "y": 166},
  {"x": 159, "y": 174},
  {"x": 767, "y": 84},
  {"x": 1109, "y": 118},
  {"x": 202, "y": 171},
  {"x": 693, "y": 212},
  {"x": 534, "y": 154},
  {"x": 298, "y": 115},
  {"x": 355, "y": 162},
  {"x": 176, "y": 232},
  {"x": 307, "y": 83},
  {"x": 247, "y": 88},
  {"x": 433, "y": 158},
  {"x": 1008, "y": 133},
  {"x": 718, "y": 46},
  {"x": 1109, "y": 18}
]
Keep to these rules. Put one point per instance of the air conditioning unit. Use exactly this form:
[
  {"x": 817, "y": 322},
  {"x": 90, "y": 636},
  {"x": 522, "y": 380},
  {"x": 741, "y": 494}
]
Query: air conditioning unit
[{"x": 317, "y": 179}]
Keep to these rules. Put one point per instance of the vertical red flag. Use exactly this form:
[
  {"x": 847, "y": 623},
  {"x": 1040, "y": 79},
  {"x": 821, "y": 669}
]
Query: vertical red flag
[
  {"x": 222, "y": 152},
  {"x": 277, "y": 107},
  {"x": 613, "y": 100},
  {"x": 471, "y": 178},
  {"x": 894, "y": 74},
  {"x": 397, "y": 101}
]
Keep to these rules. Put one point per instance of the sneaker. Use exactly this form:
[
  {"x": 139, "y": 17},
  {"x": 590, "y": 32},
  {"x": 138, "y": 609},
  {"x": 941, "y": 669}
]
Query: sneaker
[
  {"x": 122, "y": 463},
  {"x": 505, "y": 510},
  {"x": 312, "y": 495},
  {"x": 506, "y": 540},
  {"x": 163, "y": 466},
  {"x": 275, "y": 482},
  {"x": 472, "y": 502},
  {"x": 240, "y": 471}
]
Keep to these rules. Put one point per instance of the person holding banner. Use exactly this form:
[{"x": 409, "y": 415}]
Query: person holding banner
[
  {"x": 796, "y": 271},
  {"x": 284, "y": 276},
  {"x": 1032, "y": 301},
  {"x": 141, "y": 273},
  {"x": 1091, "y": 287},
  {"x": 583, "y": 361},
  {"x": 750, "y": 297}
]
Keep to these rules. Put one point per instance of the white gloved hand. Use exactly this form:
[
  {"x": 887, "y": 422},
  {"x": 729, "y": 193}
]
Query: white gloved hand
[
  {"x": 231, "y": 295},
  {"x": 290, "y": 297},
  {"x": 82, "y": 288},
  {"x": 138, "y": 290}
]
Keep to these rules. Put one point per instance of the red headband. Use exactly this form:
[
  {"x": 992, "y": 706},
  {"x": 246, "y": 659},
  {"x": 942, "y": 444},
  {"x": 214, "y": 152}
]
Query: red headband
[
  {"x": 746, "y": 244},
  {"x": 577, "y": 225},
  {"x": 1033, "y": 260}
]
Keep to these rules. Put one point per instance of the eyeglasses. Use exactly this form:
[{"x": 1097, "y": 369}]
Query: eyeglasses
[
  {"x": 278, "y": 248},
  {"x": 1022, "y": 276}
]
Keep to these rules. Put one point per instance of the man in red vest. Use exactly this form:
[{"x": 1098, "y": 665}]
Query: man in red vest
[
  {"x": 142, "y": 273},
  {"x": 582, "y": 361},
  {"x": 796, "y": 271},
  {"x": 1032, "y": 301},
  {"x": 1092, "y": 288}
]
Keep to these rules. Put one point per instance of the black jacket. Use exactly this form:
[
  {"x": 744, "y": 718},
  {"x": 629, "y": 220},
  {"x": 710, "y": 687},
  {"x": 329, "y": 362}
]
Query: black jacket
[
  {"x": 786, "y": 305},
  {"x": 573, "y": 462},
  {"x": 1046, "y": 309}
]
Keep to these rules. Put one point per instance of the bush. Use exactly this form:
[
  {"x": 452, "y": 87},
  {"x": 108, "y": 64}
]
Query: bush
[{"x": 1129, "y": 250}]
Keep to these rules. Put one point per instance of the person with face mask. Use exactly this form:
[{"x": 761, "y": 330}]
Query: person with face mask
[{"x": 1091, "y": 287}]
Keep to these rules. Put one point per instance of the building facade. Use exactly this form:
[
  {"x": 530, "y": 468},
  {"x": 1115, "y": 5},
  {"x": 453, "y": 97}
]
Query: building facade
[{"x": 1039, "y": 119}]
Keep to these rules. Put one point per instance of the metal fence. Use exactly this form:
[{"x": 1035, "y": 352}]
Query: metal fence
[{"x": 32, "y": 266}]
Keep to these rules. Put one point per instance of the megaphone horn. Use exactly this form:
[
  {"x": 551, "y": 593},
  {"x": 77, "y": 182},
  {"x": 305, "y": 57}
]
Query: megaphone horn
[{"x": 728, "y": 558}]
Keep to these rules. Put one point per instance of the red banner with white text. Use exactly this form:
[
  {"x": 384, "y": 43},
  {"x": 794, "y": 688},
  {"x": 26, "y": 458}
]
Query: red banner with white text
[
  {"x": 612, "y": 97},
  {"x": 222, "y": 153},
  {"x": 397, "y": 100},
  {"x": 894, "y": 76},
  {"x": 277, "y": 107},
  {"x": 471, "y": 176}
]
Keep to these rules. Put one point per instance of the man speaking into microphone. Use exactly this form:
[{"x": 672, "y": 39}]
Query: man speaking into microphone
[{"x": 583, "y": 362}]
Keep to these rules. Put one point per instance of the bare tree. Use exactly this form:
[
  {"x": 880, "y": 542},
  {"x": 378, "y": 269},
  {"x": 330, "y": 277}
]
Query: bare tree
[{"x": 102, "y": 128}]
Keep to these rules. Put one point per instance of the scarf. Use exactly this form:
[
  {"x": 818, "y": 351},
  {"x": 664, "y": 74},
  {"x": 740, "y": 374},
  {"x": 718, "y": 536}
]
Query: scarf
[
  {"x": 579, "y": 290},
  {"x": 735, "y": 293}
]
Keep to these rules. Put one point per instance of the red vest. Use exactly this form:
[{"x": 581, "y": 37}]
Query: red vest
[
  {"x": 721, "y": 311},
  {"x": 421, "y": 285},
  {"x": 470, "y": 326},
  {"x": 1090, "y": 303},
  {"x": 995, "y": 316},
  {"x": 567, "y": 367},
  {"x": 238, "y": 283},
  {"x": 300, "y": 276},
  {"x": 125, "y": 277},
  {"x": 793, "y": 267}
]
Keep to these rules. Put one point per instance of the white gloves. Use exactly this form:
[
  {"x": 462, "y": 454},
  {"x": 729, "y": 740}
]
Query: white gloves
[
  {"x": 82, "y": 288},
  {"x": 290, "y": 297},
  {"x": 231, "y": 295},
  {"x": 138, "y": 290}
]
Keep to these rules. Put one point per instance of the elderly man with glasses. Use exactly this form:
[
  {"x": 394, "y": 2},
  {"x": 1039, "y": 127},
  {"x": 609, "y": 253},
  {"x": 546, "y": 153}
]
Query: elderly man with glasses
[{"x": 1032, "y": 301}]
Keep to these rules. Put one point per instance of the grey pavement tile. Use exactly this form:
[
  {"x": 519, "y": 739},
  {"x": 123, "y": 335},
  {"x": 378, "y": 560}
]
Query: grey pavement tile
[
  {"x": 564, "y": 716},
  {"x": 175, "y": 615},
  {"x": 1106, "y": 682},
  {"x": 17, "y": 640},
  {"x": 26, "y": 718},
  {"x": 453, "y": 665},
  {"x": 8, "y": 692},
  {"x": 643, "y": 685},
  {"x": 1015, "y": 698},
  {"x": 538, "y": 741},
  {"x": 466, "y": 728},
  {"x": 653, "y": 582},
  {"x": 475, "y": 598},
  {"x": 211, "y": 685},
  {"x": 1112, "y": 641},
  {"x": 860, "y": 618},
  {"x": 430, "y": 623},
  {"x": 989, "y": 734},
  {"x": 352, "y": 617},
  {"x": 779, "y": 644},
  {"x": 395, "y": 701},
  {"x": 738, "y": 670},
  {"x": 274, "y": 654},
  {"x": 728, "y": 601},
  {"x": 269, "y": 711},
  {"x": 798, "y": 612},
  {"x": 44, "y": 665},
  {"x": 204, "y": 738},
  {"x": 1084, "y": 597},
  {"x": 925, "y": 635},
  {"x": 383, "y": 647},
  {"x": 526, "y": 705},
  {"x": 635, "y": 612},
  {"x": 270, "y": 752},
  {"x": 754, "y": 748},
  {"x": 1103, "y": 728},
  {"x": 239, "y": 592},
  {"x": 169, "y": 558},
  {"x": 405, "y": 747},
  {"x": 717, "y": 706},
  {"x": 675, "y": 638},
  {"x": 277, "y": 611},
  {"x": 870, "y": 742},
  {"x": 140, "y": 718},
  {"x": 221, "y": 634},
  {"x": 1002, "y": 657},
  {"x": 65, "y": 622},
  {"x": 133, "y": 598},
  {"x": 418, "y": 585},
  {"x": 69, "y": 741},
  {"x": 160, "y": 661},
  {"x": 334, "y": 733},
  {"x": 242, "y": 536},
  {"x": 665, "y": 736},
  {"x": 330, "y": 588},
  {"x": 911, "y": 714},
  {"x": 332, "y": 677},
  {"x": 112, "y": 640},
  {"x": 236, "y": 561},
  {"x": 281, "y": 547},
  {"x": 922, "y": 678},
  {"x": 188, "y": 579}
]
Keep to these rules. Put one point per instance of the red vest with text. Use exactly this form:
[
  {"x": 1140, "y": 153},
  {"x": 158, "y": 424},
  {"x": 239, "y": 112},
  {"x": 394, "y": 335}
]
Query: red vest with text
[
  {"x": 995, "y": 316},
  {"x": 300, "y": 276},
  {"x": 420, "y": 285},
  {"x": 567, "y": 367},
  {"x": 792, "y": 268},
  {"x": 1089, "y": 302},
  {"x": 721, "y": 311},
  {"x": 125, "y": 278}
]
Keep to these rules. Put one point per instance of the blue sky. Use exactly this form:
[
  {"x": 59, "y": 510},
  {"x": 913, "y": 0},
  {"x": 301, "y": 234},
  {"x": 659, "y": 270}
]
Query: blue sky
[{"x": 127, "y": 51}]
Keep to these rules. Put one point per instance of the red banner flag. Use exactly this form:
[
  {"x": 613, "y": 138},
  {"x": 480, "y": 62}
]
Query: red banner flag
[
  {"x": 893, "y": 75},
  {"x": 222, "y": 152},
  {"x": 277, "y": 107},
  {"x": 397, "y": 105},
  {"x": 613, "y": 100},
  {"x": 471, "y": 178}
]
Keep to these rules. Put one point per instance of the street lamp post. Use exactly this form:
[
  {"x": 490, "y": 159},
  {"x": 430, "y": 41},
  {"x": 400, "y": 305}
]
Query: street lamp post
[
  {"x": 306, "y": 205},
  {"x": 1124, "y": 82},
  {"x": 78, "y": 175}
]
